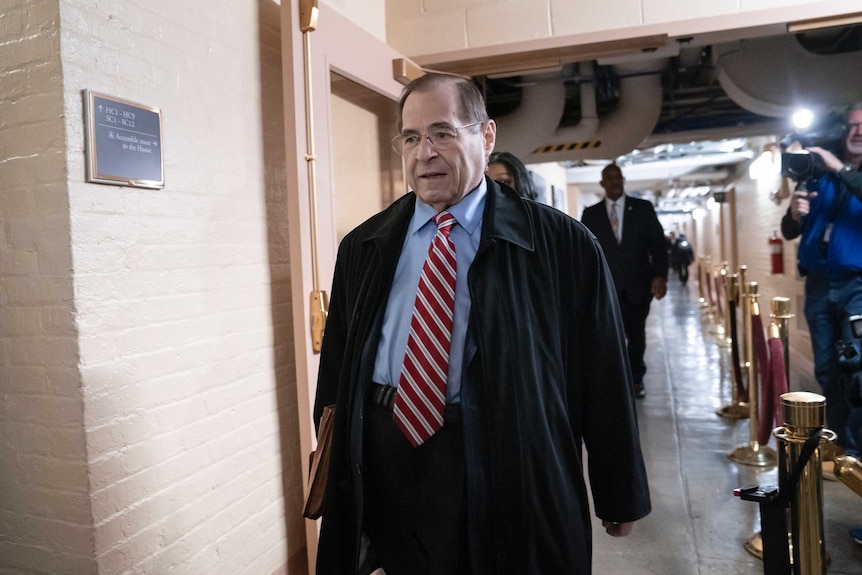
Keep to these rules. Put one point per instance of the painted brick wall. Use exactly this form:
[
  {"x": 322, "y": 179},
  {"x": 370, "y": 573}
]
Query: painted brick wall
[
  {"x": 147, "y": 389},
  {"x": 185, "y": 373},
  {"x": 45, "y": 520},
  {"x": 418, "y": 27}
]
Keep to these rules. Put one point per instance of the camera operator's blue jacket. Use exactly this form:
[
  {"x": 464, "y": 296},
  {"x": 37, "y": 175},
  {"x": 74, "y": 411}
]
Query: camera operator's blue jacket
[{"x": 843, "y": 256}]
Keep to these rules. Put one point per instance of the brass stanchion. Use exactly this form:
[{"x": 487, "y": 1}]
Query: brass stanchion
[
  {"x": 848, "y": 469},
  {"x": 781, "y": 317},
  {"x": 707, "y": 289},
  {"x": 723, "y": 332},
  {"x": 744, "y": 334},
  {"x": 736, "y": 409},
  {"x": 753, "y": 453},
  {"x": 778, "y": 328},
  {"x": 701, "y": 283},
  {"x": 804, "y": 416},
  {"x": 715, "y": 311}
]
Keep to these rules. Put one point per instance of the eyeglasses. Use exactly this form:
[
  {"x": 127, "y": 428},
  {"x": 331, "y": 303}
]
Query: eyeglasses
[{"x": 439, "y": 138}]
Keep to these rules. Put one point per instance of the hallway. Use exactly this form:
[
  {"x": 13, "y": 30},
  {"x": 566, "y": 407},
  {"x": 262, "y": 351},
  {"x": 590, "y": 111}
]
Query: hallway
[{"x": 697, "y": 526}]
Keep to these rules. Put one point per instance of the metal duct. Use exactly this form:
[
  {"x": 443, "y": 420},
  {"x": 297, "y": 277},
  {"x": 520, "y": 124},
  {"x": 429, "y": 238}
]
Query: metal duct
[
  {"x": 774, "y": 76},
  {"x": 533, "y": 134}
]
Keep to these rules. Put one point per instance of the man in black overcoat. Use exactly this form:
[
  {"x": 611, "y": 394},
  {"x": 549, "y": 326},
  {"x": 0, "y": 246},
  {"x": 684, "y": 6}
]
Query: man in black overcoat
[
  {"x": 636, "y": 249},
  {"x": 537, "y": 372}
]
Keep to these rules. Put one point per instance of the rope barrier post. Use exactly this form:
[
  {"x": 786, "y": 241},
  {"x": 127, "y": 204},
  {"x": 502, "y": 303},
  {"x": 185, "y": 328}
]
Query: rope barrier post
[
  {"x": 714, "y": 304},
  {"x": 848, "y": 469},
  {"x": 737, "y": 408},
  {"x": 701, "y": 282},
  {"x": 723, "y": 326},
  {"x": 781, "y": 317},
  {"x": 744, "y": 358},
  {"x": 753, "y": 454},
  {"x": 804, "y": 417},
  {"x": 778, "y": 331},
  {"x": 707, "y": 289}
]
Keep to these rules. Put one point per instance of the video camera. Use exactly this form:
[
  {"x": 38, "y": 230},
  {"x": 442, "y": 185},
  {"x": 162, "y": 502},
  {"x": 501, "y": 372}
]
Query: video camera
[{"x": 803, "y": 166}]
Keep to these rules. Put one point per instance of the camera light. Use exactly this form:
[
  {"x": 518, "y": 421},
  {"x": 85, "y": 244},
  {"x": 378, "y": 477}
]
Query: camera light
[{"x": 803, "y": 118}]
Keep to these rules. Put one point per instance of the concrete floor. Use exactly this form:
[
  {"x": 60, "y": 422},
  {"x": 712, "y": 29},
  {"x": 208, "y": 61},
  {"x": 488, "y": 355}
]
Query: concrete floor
[{"x": 697, "y": 526}]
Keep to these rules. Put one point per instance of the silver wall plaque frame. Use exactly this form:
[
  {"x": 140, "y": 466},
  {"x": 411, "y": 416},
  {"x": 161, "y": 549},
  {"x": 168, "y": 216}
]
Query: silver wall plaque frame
[{"x": 123, "y": 142}]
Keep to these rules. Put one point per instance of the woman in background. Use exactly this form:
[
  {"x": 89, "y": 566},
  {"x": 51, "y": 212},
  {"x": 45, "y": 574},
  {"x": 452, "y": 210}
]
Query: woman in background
[{"x": 507, "y": 169}]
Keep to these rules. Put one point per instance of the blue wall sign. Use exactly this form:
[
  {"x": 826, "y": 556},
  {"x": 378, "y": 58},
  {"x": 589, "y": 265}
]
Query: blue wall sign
[{"x": 124, "y": 142}]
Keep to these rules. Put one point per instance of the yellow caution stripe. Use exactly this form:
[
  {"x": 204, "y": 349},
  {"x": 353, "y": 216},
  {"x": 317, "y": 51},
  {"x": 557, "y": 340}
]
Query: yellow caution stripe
[{"x": 568, "y": 147}]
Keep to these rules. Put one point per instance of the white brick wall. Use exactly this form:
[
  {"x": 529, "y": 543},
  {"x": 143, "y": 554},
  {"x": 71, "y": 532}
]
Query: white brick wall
[
  {"x": 45, "y": 520},
  {"x": 174, "y": 290},
  {"x": 422, "y": 27},
  {"x": 147, "y": 390}
]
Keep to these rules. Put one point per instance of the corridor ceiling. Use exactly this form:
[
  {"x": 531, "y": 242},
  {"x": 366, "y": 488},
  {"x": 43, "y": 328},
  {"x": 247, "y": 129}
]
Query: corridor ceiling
[{"x": 688, "y": 105}]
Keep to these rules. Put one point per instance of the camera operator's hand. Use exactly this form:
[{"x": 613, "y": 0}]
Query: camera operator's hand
[
  {"x": 800, "y": 205},
  {"x": 833, "y": 163}
]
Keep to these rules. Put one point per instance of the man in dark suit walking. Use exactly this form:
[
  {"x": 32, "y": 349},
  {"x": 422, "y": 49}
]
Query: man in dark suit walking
[
  {"x": 473, "y": 349},
  {"x": 634, "y": 244}
]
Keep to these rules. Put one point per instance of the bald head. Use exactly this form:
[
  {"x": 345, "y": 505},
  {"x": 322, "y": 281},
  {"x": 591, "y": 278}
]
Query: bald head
[{"x": 612, "y": 182}]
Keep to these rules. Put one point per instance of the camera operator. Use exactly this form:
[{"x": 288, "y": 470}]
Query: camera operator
[{"x": 828, "y": 216}]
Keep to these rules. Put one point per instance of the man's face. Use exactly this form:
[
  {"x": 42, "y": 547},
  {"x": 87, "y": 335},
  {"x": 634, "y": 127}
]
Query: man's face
[
  {"x": 442, "y": 178},
  {"x": 612, "y": 182},
  {"x": 853, "y": 143}
]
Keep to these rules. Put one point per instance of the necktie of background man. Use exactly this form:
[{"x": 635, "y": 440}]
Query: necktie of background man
[
  {"x": 615, "y": 221},
  {"x": 421, "y": 397}
]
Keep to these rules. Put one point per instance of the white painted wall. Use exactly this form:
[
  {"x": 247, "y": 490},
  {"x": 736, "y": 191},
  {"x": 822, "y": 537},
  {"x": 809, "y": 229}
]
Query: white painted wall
[
  {"x": 45, "y": 518},
  {"x": 554, "y": 176},
  {"x": 421, "y": 27},
  {"x": 147, "y": 394},
  {"x": 367, "y": 14}
]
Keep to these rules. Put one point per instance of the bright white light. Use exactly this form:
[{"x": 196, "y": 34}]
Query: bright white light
[
  {"x": 802, "y": 118},
  {"x": 710, "y": 203}
]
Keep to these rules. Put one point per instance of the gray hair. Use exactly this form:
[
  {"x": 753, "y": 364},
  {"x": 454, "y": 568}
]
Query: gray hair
[{"x": 472, "y": 102}]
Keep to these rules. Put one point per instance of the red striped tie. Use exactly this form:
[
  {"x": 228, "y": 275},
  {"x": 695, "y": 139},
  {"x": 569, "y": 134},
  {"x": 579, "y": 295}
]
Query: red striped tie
[{"x": 418, "y": 410}]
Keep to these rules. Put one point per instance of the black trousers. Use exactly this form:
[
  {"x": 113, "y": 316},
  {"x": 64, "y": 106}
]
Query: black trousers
[
  {"x": 634, "y": 322},
  {"x": 415, "y": 511}
]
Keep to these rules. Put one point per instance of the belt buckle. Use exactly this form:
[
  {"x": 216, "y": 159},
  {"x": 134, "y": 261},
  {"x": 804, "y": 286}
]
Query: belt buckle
[{"x": 383, "y": 395}]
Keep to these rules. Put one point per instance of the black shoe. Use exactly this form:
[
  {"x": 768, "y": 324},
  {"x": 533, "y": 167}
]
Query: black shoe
[{"x": 640, "y": 392}]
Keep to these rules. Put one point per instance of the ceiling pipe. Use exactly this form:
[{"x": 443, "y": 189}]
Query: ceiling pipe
[
  {"x": 774, "y": 76},
  {"x": 532, "y": 131},
  {"x": 543, "y": 100},
  {"x": 589, "y": 124}
]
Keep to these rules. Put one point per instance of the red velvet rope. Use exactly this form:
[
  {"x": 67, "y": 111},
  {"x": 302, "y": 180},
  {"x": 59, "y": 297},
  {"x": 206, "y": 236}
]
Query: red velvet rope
[
  {"x": 770, "y": 412},
  {"x": 741, "y": 391},
  {"x": 761, "y": 353}
]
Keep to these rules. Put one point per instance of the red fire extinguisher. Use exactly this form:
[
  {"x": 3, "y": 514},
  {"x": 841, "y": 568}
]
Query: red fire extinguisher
[{"x": 776, "y": 254}]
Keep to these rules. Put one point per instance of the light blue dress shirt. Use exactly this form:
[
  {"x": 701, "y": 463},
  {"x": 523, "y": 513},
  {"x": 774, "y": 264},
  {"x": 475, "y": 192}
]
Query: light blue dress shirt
[{"x": 399, "y": 308}]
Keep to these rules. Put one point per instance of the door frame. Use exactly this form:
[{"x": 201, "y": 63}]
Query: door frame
[{"x": 336, "y": 45}]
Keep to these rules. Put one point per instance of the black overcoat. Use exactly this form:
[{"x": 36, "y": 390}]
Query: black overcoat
[
  {"x": 550, "y": 374},
  {"x": 641, "y": 256}
]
